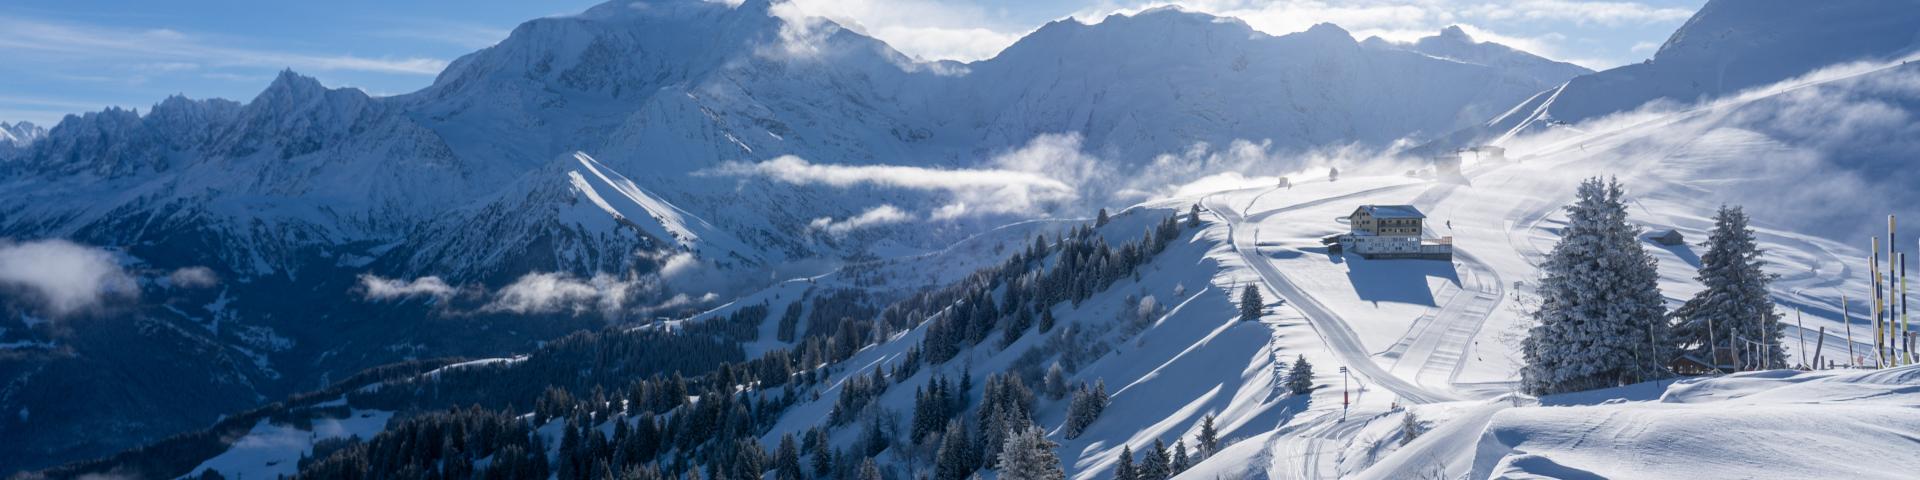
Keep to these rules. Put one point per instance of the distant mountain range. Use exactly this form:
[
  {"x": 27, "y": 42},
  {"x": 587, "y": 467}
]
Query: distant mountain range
[{"x": 649, "y": 157}]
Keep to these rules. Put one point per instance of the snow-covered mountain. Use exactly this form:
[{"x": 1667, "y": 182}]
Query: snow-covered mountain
[
  {"x": 601, "y": 150},
  {"x": 1453, "y": 43},
  {"x": 20, "y": 134},
  {"x": 1728, "y": 46},
  {"x": 15, "y": 137}
]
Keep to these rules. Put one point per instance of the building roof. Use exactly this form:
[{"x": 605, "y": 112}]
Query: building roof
[{"x": 1391, "y": 211}]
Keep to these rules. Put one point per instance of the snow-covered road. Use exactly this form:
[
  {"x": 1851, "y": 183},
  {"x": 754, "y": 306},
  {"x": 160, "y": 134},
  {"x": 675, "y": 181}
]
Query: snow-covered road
[{"x": 1339, "y": 337}]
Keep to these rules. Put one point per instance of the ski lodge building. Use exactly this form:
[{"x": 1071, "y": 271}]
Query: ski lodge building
[{"x": 1389, "y": 231}]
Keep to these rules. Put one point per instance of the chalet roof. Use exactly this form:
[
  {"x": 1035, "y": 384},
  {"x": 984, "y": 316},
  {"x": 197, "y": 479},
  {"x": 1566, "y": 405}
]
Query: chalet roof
[{"x": 1391, "y": 211}]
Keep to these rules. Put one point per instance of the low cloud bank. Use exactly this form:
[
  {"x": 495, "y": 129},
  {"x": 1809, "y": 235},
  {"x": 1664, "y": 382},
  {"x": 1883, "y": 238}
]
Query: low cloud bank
[
  {"x": 193, "y": 278},
  {"x": 876, "y": 216},
  {"x": 375, "y": 287},
  {"x": 538, "y": 293},
  {"x": 64, "y": 277}
]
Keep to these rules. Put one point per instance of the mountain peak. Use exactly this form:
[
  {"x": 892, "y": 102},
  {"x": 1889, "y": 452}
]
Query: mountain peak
[
  {"x": 292, "y": 85},
  {"x": 20, "y": 134},
  {"x": 1453, "y": 32},
  {"x": 1329, "y": 31}
]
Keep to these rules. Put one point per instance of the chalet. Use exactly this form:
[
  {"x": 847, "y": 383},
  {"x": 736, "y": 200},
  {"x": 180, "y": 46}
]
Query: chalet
[
  {"x": 1668, "y": 237},
  {"x": 1389, "y": 231}
]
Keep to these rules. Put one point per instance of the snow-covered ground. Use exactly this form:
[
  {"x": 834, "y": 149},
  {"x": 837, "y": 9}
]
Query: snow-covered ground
[
  {"x": 1443, "y": 338},
  {"x": 273, "y": 449}
]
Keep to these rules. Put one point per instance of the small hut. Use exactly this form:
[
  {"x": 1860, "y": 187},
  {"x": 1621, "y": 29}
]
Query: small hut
[{"x": 1668, "y": 237}]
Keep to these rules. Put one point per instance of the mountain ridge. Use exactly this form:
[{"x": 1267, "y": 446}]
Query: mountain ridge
[{"x": 298, "y": 197}]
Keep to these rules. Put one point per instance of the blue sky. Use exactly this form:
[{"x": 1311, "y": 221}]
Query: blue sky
[{"x": 69, "y": 56}]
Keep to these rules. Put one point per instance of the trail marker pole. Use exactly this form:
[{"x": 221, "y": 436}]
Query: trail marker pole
[
  {"x": 1820, "y": 344},
  {"x": 1345, "y": 398},
  {"x": 1801, "y": 325},
  {"x": 1846, "y": 318}
]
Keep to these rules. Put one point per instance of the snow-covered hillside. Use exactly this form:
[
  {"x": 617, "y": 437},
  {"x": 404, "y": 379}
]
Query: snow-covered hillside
[
  {"x": 718, "y": 167},
  {"x": 794, "y": 227},
  {"x": 1442, "y": 339}
]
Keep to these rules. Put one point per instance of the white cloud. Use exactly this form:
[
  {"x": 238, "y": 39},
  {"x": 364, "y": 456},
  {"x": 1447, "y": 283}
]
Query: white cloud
[
  {"x": 64, "y": 277},
  {"x": 377, "y": 288},
  {"x": 795, "y": 170},
  {"x": 1586, "y": 12},
  {"x": 987, "y": 190},
  {"x": 67, "y": 42},
  {"x": 538, "y": 293},
  {"x": 923, "y": 29},
  {"x": 678, "y": 265},
  {"x": 193, "y": 277},
  {"x": 1406, "y": 20},
  {"x": 881, "y": 215},
  {"x": 1792, "y": 153}
]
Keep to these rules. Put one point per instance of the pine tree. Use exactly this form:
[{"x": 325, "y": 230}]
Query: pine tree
[
  {"x": 822, "y": 456},
  {"x": 1333, "y": 174},
  {"x": 1180, "y": 459},
  {"x": 1193, "y": 216},
  {"x": 1046, "y": 320},
  {"x": 869, "y": 470},
  {"x": 1156, "y": 464},
  {"x": 1056, "y": 382},
  {"x": 1086, "y": 406},
  {"x": 956, "y": 459},
  {"x": 1251, "y": 305},
  {"x": 1409, "y": 428},
  {"x": 1735, "y": 304},
  {"x": 1208, "y": 438},
  {"x": 1102, "y": 219},
  {"x": 1028, "y": 455},
  {"x": 1124, "y": 470},
  {"x": 1602, "y": 321},
  {"x": 1300, "y": 377},
  {"x": 786, "y": 464}
]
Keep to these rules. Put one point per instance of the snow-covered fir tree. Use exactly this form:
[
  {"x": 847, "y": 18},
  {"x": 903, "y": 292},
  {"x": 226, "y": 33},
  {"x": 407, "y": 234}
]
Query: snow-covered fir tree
[
  {"x": 1208, "y": 440},
  {"x": 1156, "y": 463},
  {"x": 1409, "y": 428},
  {"x": 1735, "y": 307},
  {"x": 1251, "y": 305},
  {"x": 1180, "y": 458},
  {"x": 1124, "y": 470},
  {"x": 1028, "y": 455},
  {"x": 786, "y": 463},
  {"x": 1300, "y": 377},
  {"x": 1086, "y": 406},
  {"x": 1602, "y": 321},
  {"x": 957, "y": 458},
  {"x": 1006, "y": 407},
  {"x": 1056, "y": 382}
]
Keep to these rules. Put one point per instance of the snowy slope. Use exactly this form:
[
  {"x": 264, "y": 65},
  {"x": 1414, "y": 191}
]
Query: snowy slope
[
  {"x": 294, "y": 194},
  {"x": 1780, "y": 424},
  {"x": 1459, "y": 335},
  {"x": 478, "y": 179}
]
